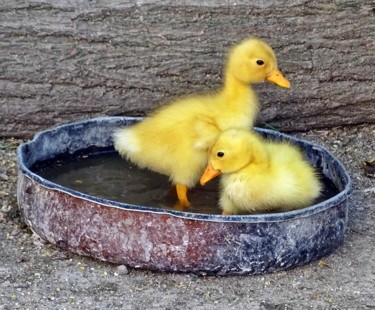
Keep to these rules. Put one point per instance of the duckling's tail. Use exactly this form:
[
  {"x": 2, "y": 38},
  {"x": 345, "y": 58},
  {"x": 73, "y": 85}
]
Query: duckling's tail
[{"x": 125, "y": 142}]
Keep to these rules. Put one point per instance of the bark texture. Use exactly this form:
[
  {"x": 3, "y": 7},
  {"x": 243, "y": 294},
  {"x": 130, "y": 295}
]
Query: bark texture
[{"x": 67, "y": 60}]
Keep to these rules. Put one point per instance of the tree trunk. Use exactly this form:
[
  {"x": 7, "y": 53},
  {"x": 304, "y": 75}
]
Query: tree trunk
[{"x": 67, "y": 60}]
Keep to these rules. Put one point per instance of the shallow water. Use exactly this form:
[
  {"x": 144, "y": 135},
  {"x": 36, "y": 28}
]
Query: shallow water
[{"x": 103, "y": 173}]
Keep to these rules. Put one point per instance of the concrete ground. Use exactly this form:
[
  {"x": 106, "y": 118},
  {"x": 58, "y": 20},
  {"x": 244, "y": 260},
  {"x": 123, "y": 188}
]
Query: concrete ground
[{"x": 36, "y": 275}]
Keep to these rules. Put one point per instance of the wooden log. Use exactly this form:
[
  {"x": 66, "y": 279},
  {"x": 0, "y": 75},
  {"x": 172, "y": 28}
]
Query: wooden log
[{"x": 67, "y": 60}]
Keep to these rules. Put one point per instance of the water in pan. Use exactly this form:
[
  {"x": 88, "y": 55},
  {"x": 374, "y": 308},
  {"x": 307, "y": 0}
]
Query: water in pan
[{"x": 103, "y": 173}]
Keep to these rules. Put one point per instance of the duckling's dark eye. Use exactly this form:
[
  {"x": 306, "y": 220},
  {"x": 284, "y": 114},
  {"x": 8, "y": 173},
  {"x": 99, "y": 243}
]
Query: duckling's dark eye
[
  {"x": 220, "y": 154},
  {"x": 260, "y": 62}
]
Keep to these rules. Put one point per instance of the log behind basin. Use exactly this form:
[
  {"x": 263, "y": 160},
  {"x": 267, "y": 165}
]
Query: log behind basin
[{"x": 68, "y": 60}]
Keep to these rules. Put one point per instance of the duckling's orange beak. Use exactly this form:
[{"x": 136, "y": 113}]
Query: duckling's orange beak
[
  {"x": 277, "y": 77},
  {"x": 209, "y": 174}
]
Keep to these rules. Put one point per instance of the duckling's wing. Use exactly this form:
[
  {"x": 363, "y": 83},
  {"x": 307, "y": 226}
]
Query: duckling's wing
[{"x": 206, "y": 130}]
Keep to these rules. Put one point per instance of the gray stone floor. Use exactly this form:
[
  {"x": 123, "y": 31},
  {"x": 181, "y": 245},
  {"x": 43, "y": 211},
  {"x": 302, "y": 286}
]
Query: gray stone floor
[{"x": 36, "y": 275}]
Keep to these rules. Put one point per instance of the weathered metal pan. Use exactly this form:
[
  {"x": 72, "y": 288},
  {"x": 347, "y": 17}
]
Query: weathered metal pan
[{"x": 169, "y": 240}]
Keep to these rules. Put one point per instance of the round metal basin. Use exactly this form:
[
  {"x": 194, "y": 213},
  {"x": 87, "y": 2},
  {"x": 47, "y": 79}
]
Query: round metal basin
[{"x": 169, "y": 240}]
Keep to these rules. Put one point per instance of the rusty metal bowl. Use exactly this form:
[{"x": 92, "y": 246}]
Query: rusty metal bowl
[{"x": 169, "y": 240}]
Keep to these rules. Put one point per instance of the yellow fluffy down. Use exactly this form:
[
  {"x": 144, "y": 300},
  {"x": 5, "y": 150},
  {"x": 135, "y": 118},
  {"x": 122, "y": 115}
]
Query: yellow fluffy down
[
  {"x": 260, "y": 175},
  {"x": 175, "y": 139}
]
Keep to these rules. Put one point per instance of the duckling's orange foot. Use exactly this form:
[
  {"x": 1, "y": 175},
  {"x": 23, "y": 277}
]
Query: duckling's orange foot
[
  {"x": 182, "y": 195},
  {"x": 226, "y": 213},
  {"x": 179, "y": 207}
]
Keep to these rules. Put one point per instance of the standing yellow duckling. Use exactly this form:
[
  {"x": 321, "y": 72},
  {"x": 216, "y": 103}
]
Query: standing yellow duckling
[
  {"x": 260, "y": 175},
  {"x": 174, "y": 141}
]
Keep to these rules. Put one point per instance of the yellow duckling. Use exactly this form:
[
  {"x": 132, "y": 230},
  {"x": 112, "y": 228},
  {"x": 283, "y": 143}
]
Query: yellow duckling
[
  {"x": 174, "y": 141},
  {"x": 260, "y": 175}
]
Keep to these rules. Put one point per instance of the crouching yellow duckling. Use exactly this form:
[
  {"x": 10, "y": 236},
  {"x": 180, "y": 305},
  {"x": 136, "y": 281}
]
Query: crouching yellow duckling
[
  {"x": 174, "y": 141},
  {"x": 260, "y": 175}
]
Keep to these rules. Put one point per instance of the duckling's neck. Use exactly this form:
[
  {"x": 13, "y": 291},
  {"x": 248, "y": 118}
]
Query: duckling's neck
[
  {"x": 236, "y": 90},
  {"x": 239, "y": 102},
  {"x": 261, "y": 156}
]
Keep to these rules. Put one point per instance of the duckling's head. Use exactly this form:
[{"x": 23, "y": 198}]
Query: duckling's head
[
  {"x": 232, "y": 150},
  {"x": 254, "y": 61}
]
